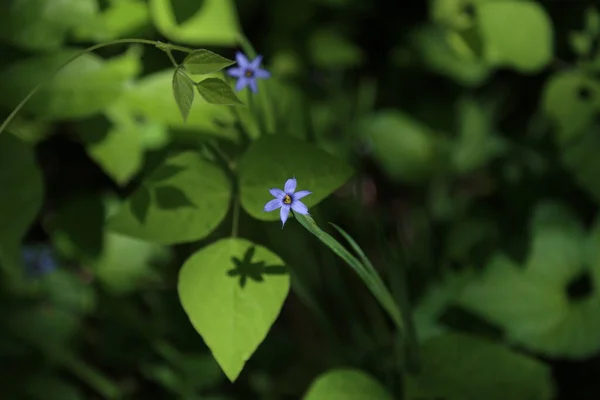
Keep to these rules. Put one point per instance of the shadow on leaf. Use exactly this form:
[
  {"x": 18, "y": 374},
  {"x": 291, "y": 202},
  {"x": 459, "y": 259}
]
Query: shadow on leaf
[
  {"x": 165, "y": 172},
  {"x": 140, "y": 203},
  {"x": 171, "y": 198},
  {"x": 245, "y": 269},
  {"x": 183, "y": 10}
]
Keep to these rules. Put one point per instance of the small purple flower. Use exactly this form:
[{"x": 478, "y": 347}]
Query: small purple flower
[
  {"x": 286, "y": 199},
  {"x": 247, "y": 72},
  {"x": 38, "y": 260}
]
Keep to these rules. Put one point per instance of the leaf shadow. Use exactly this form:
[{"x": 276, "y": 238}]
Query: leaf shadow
[
  {"x": 172, "y": 198},
  {"x": 140, "y": 204},
  {"x": 246, "y": 269}
]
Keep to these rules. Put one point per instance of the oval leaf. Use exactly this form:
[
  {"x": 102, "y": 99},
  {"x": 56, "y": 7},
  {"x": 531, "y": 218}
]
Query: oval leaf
[
  {"x": 217, "y": 91},
  {"x": 183, "y": 90},
  {"x": 184, "y": 207},
  {"x": 202, "y": 61},
  {"x": 233, "y": 291},
  {"x": 273, "y": 159},
  {"x": 525, "y": 44},
  {"x": 346, "y": 384}
]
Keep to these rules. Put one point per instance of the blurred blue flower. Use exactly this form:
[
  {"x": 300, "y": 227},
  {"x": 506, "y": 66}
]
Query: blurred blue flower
[
  {"x": 286, "y": 199},
  {"x": 38, "y": 260},
  {"x": 247, "y": 72}
]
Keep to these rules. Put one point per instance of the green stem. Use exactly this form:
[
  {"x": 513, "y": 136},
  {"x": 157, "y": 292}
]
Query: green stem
[
  {"x": 166, "y": 47},
  {"x": 93, "y": 378},
  {"x": 170, "y": 54}
]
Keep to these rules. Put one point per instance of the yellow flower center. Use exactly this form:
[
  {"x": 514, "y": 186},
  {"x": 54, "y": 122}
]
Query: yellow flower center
[
  {"x": 287, "y": 199},
  {"x": 249, "y": 73}
]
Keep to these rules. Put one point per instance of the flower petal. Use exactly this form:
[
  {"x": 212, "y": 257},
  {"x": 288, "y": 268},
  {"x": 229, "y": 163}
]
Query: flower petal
[
  {"x": 242, "y": 60},
  {"x": 299, "y": 207},
  {"x": 262, "y": 73},
  {"x": 236, "y": 72},
  {"x": 273, "y": 205},
  {"x": 256, "y": 62},
  {"x": 241, "y": 84},
  {"x": 284, "y": 213},
  {"x": 301, "y": 194},
  {"x": 290, "y": 186},
  {"x": 253, "y": 85},
  {"x": 278, "y": 193}
]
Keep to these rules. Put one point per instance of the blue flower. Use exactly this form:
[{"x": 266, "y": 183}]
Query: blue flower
[
  {"x": 38, "y": 260},
  {"x": 247, "y": 72},
  {"x": 286, "y": 199}
]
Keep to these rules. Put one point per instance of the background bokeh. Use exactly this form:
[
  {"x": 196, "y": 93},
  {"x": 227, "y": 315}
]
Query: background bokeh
[{"x": 472, "y": 131}]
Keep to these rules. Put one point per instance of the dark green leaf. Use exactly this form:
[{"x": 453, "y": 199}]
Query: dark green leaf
[
  {"x": 171, "y": 198},
  {"x": 217, "y": 91},
  {"x": 202, "y": 61},
  {"x": 183, "y": 90}
]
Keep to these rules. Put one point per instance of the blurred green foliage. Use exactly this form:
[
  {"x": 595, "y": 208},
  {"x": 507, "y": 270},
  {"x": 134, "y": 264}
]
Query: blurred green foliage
[{"x": 453, "y": 145}]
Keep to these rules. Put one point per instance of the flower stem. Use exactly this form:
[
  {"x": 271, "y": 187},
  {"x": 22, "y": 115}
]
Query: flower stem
[{"x": 166, "y": 47}]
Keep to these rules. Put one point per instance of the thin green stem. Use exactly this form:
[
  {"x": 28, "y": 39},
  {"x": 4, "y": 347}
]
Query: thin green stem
[
  {"x": 160, "y": 45},
  {"x": 93, "y": 378},
  {"x": 170, "y": 54}
]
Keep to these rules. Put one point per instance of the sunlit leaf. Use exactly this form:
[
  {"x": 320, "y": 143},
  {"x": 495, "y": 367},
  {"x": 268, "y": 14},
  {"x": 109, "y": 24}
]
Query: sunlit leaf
[
  {"x": 202, "y": 61},
  {"x": 233, "y": 291},
  {"x": 346, "y": 384},
  {"x": 183, "y": 90},
  {"x": 217, "y": 91}
]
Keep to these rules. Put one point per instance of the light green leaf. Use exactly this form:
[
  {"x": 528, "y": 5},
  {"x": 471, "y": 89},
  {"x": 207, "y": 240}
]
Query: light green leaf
[
  {"x": 83, "y": 88},
  {"x": 200, "y": 62},
  {"x": 233, "y": 291},
  {"x": 217, "y": 91},
  {"x": 404, "y": 147},
  {"x": 273, "y": 159},
  {"x": 329, "y": 49},
  {"x": 121, "y": 18},
  {"x": 147, "y": 98},
  {"x": 41, "y": 24},
  {"x": 183, "y": 90},
  {"x": 184, "y": 207},
  {"x": 525, "y": 44},
  {"x": 461, "y": 367},
  {"x": 119, "y": 152},
  {"x": 346, "y": 384},
  {"x": 212, "y": 22},
  {"x": 125, "y": 262},
  {"x": 571, "y": 100}
]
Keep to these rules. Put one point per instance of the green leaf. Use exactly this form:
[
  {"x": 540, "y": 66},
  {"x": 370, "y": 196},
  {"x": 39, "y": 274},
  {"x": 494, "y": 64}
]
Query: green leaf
[
  {"x": 404, "y": 147},
  {"x": 581, "y": 159},
  {"x": 67, "y": 291},
  {"x": 581, "y": 44},
  {"x": 233, "y": 291},
  {"x": 183, "y": 90},
  {"x": 147, "y": 98},
  {"x": 329, "y": 49},
  {"x": 273, "y": 159},
  {"x": 434, "y": 46},
  {"x": 200, "y": 62},
  {"x": 125, "y": 262},
  {"x": 120, "y": 153},
  {"x": 21, "y": 199},
  {"x": 213, "y": 23},
  {"x": 461, "y": 367},
  {"x": 195, "y": 203},
  {"x": 122, "y": 18},
  {"x": 531, "y": 303},
  {"x": 525, "y": 44},
  {"x": 217, "y": 91},
  {"x": 346, "y": 384},
  {"x": 592, "y": 21},
  {"x": 85, "y": 87},
  {"x": 571, "y": 100},
  {"x": 41, "y": 25},
  {"x": 477, "y": 143}
]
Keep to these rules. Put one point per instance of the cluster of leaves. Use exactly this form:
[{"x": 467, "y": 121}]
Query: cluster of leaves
[{"x": 109, "y": 284}]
